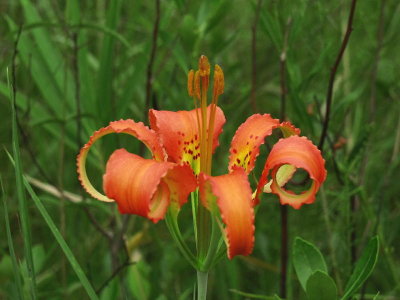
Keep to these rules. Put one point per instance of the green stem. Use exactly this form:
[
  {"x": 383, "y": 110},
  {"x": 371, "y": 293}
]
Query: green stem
[
  {"x": 194, "y": 197},
  {"x": 202, "y": 278},
  {"x": 173, "y": 227},
  {"x": 203, "y": 234},
  {"x": 213, "y": 248}
]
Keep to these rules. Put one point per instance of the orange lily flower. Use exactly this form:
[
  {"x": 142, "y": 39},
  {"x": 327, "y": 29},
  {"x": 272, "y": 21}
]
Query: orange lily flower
[{"x": 182, "y": 144}]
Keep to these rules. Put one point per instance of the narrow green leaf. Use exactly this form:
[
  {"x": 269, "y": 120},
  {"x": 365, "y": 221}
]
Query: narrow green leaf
[
  {"x": 307, "y": 259},
  {"x": 254, "y": 296},
  {"x": 376, "y": 296},
  {"x": 22, "y": 203},
  {"x": 138, "y": 277},
  {"x": 269, "y": 24},
  {"x": 104, "y": 84},
  {"x": 14, "y": 262},
  {"x": 321, "y": 284},
  {"x": 38, "y": 111},
  {"x": 363, "y": 268},
  {"x": 41, "y": 74},
  {"x": 67, "y": 251},
  {"x": 51, "y": 57}
]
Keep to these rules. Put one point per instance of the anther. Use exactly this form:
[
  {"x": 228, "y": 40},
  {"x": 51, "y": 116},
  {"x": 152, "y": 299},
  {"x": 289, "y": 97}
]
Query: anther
[
  {"x": 204, "y": 66},
  {"x": 197, "y": 84},
  {"x": 218, "y": 81},
  {"x": 190, "y": 83}
]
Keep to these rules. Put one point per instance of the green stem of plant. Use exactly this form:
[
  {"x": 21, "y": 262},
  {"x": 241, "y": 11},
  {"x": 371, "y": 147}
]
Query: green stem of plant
[
  {"x": 202, "y": 279},
  {"x": 213, "y": 247},
  {"x": 203, "y": 232},
  {"x": 173, "y": 227}
]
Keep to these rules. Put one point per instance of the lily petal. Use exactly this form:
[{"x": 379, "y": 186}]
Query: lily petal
[
  {"x": 138, "y": 130},
  {"x": 180, "y": 136},
  {"x": 300, "y": 153},
  {"x": 232, "y": 194},
  {"x": 145, "y": 187},
  {"x": 245, "y": 146}
]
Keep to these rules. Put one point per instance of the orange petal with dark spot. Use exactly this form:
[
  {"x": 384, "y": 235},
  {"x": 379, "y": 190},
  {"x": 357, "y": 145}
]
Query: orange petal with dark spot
[
  {"x": 180, "y": 135},
  {"x": 245, "y": 146}
]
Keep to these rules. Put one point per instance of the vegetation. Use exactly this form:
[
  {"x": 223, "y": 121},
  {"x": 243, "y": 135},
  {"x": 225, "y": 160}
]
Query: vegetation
[{"x": 71, "y": 67}]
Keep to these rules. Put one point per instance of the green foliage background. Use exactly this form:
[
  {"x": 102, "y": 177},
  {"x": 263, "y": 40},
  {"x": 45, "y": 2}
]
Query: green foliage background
[{"x": 80, "y": 64}]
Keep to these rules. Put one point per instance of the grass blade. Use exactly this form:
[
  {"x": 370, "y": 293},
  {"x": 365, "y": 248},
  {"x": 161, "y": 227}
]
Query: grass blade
[
  {"x": 104, "y": 87},
  {"x": 57, "y": 235},
  {"x": 22, "y": 203},
  {"x": 11, "y": 245},
  {"x": 65, "y": 248},
  {"x": 24, "y": 216},
  {"x": 363, "y": 269}
]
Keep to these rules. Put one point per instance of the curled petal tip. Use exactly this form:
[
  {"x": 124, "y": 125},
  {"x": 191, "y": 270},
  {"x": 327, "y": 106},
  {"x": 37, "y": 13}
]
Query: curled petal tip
[
  {"x": 138, "y": 130},
  {"x": 299, "y": 152}
]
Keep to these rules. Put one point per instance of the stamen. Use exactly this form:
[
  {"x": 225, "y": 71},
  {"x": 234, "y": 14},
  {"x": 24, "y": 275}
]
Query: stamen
[
  {"x": 218, "y": 89},
  {"x": 197, "y": 84},
  {"x": 218, "y": 81},
  {"x": 190, "y": 83},
  {"x": 204, "y": 66}
]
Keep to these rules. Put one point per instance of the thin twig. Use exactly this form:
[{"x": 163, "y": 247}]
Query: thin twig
[
  {"x": 14, "y": 57},
  {"x": 254, "y": 57},
  {"x": 282, "y": 70},
  {"x": 284, "y": 208},
  {"x": 127, "y": 263},
  {"x": 53, "y": 190},
  {"x": 284, "y": 249},
  {"x": 97, "y": 225},
  {"x": 149, "y": 81},
  {"x": 75, "y": 68},
  {"x": 333, "y": 75}
]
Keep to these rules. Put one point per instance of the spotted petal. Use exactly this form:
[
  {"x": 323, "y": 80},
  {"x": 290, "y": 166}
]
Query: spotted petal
[
  {"x": 179, "y": 133},
  {"x": 145, "y": 187},
  {"x": 138, "y": 130},
  {"x": 245, "y": 146},
  {"x": 300, "y": 153},
  {"x": 231, "y": 193}
]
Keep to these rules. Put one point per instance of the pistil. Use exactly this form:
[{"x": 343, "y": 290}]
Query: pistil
[
  {"x": 198, "y": 83},
  {"x": 204, "y": 72},
  {"x": 218, "y": 89}
]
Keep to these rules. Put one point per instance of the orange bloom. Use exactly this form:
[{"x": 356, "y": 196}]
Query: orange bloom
[{"x": 182, "y": 144}]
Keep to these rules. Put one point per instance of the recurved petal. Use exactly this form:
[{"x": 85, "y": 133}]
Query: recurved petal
[
  {"x": 232, "y": 194},
  {"x": 138, "y": 130},
  {"x": 179, "y": 133},
  {"x": 145, "y": 187},
  {"x": 283, "y": 175},
  {"x": 245, "y": 146},
  {"x": 298, "y": 152}
]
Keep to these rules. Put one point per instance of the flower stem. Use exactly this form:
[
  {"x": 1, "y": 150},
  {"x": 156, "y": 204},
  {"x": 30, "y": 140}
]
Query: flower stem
[{"x": 202, "y": 278}]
